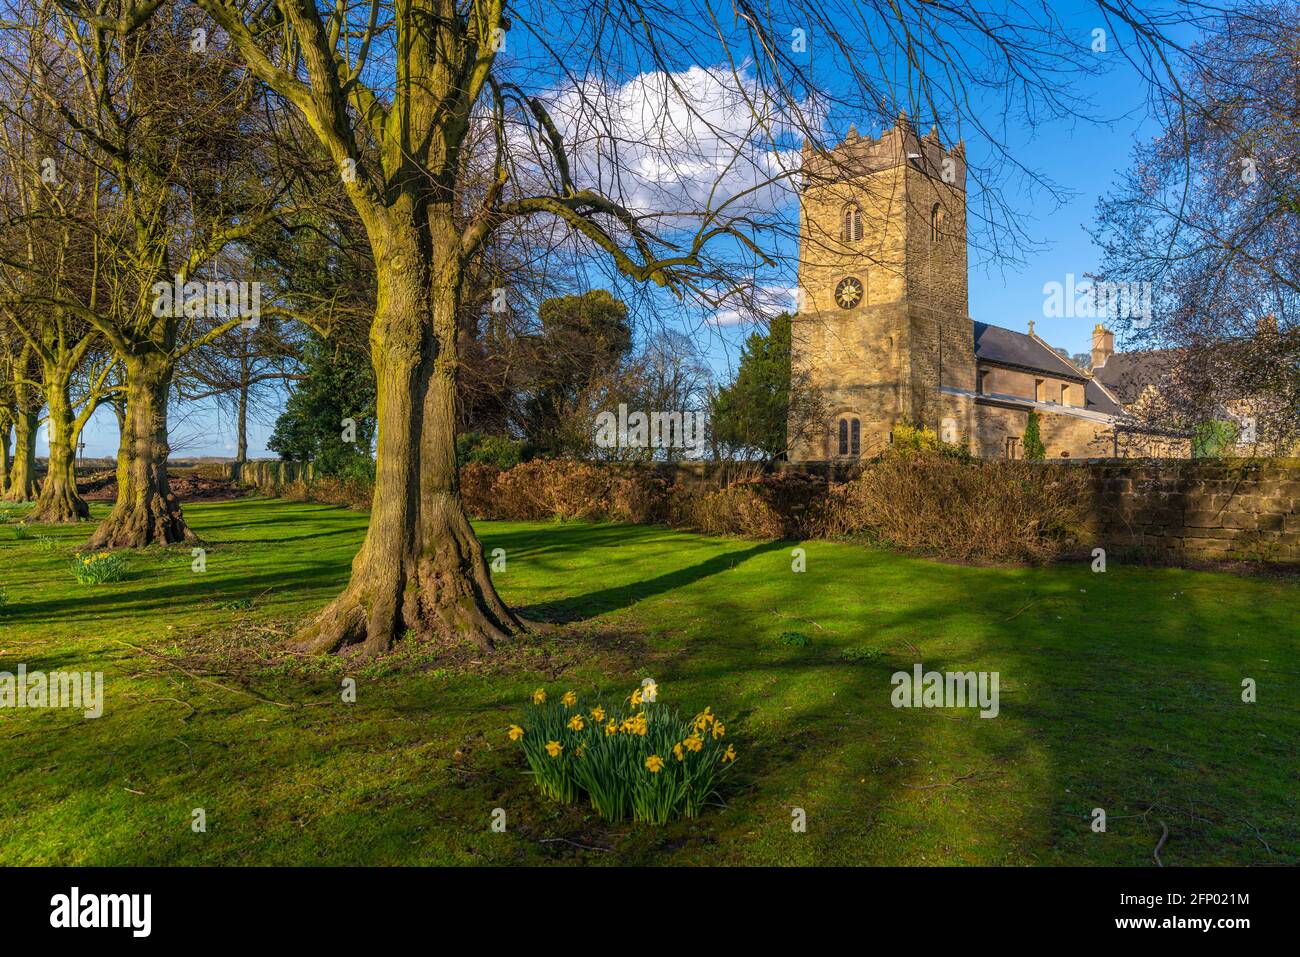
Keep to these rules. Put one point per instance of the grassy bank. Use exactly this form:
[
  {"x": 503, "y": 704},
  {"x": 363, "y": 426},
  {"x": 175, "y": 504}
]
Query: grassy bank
[{"x": 1119, "y": 690}]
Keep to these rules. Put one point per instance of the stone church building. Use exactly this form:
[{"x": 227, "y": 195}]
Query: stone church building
[{"x": 884, "y": 335}]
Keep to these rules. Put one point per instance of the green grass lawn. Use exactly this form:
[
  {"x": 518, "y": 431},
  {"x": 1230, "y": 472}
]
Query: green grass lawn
[{"x": 1119, "y": 690}]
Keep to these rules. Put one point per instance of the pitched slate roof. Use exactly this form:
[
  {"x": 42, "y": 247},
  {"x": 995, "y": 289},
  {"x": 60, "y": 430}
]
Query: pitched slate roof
[
  {"x": 1096, "y": 400},
  {"x": 1004, "y": 347},
  {"x": 1124, "y": 375},
  {"x": 1127, "y": 374}
]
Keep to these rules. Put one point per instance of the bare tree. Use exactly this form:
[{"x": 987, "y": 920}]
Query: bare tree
[
  {"x": 174, "y": 136},
  {"x": 244, "y": 370},
  {"x": 42, "y": 255},
  {"x": 1209, "y": 217}
]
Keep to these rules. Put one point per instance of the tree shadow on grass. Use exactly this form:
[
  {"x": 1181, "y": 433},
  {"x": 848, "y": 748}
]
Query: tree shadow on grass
[
  {"x": 560, "y": 537},
  {"x": 179, "y": 592},
  {"x": 211, "y": 517},
  {"x": 594, "y": 604},
  {"x": 282, "y": 539},
  {"x": 1120, "y": 695}
]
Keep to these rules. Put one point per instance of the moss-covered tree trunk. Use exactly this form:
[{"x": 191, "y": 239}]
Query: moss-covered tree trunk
[
  {"x": 22, "y": 470},
  {"x": 119, "y": 412},
  {"x": 146, "y": 512},
  {"x": 420, "y": 569},
  {"x": 6, "y": 435},
  {"x": 58, "y": 500},
  {"x": 381, "y": 601},
  {"x": 456, "y": 584}
]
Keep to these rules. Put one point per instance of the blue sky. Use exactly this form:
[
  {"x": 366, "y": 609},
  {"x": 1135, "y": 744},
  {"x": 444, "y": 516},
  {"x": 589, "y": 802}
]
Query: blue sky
[{"x": 1082, "y": 156}]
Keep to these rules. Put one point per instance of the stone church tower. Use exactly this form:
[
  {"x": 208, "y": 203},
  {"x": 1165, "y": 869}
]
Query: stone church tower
[{"x": 883, "y": 329}]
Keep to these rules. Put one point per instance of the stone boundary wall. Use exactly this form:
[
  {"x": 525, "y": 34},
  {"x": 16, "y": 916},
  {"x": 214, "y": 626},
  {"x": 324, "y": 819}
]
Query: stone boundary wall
[
  {"x": 1176, "y": 510},
  {"x": 1218, "y": 510},
  {"x": 1170, "y": 510}
]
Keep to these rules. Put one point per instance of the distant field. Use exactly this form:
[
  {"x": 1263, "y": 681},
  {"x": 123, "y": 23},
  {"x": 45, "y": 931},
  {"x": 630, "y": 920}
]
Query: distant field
[{"x": 1119, "y": 690}]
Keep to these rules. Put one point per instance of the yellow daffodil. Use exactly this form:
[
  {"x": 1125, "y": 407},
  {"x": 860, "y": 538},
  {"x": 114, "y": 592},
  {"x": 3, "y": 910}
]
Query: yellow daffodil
[
  {"x": 729, "y": 754},
  {"x": 598, "y": 713},
  {"x": 678, "y": 753},
  {"x": 636, "y": 698},
  {"x": 611, "y": 727},
  {"x": 694, "y": 743},
  {"x": 569, "y": 699},
  {"x": 515, "y": 732},
  {"x": 654, "y": 764},
  {"x": 718, "y": 730},
  {"x": 703, "y": 720},
  {"x": 576, "y": 723},
  {"x": 637, "y": 724},
  {"x": 649, "y": 690},
  {"x": 553, "y": 748},
  {"x": 539, "y": 696}
]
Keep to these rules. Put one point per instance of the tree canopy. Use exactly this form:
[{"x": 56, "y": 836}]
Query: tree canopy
[{"x": 751, "y": 413}]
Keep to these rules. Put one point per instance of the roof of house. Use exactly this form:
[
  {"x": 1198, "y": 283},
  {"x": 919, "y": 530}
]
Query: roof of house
[
  {"x": 1127, "y": 374},
  {"x": 1123, "y": 377},
  {"x": 1004, "y": 347},
  {"x": 1098, "y": 400}
]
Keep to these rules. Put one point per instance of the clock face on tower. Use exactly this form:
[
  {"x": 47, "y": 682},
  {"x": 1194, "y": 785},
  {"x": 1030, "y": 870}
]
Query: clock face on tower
[{"x": 848, "y": 293}]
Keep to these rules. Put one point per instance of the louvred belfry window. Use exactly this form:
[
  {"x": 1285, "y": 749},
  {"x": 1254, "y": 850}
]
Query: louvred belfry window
[{"x": 851, "y": 231}]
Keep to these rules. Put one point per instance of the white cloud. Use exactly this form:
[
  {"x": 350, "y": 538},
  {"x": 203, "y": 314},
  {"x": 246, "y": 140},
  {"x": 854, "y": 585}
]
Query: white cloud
[
  {"x": 755, "y": 305},
  {"x": 664, "y": 144}
]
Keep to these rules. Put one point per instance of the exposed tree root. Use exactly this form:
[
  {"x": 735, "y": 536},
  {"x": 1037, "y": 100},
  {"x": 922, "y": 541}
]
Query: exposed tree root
[
  {"x": 155, "y": 521},
  {"x": 445, "y": 596},
  {"x": 59, "y": 504},
  {"x": 21, "y": 493}
]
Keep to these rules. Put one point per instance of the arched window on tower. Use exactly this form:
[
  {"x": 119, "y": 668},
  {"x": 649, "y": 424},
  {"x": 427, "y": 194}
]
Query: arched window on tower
[
  {"x": 936, "y": 223},
  {"x": 851, "y": 229},
  {"x": 850, "y": 435}
]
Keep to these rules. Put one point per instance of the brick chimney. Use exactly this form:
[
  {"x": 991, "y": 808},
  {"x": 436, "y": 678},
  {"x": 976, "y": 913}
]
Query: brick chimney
[{"x": 1103, "y": 345}]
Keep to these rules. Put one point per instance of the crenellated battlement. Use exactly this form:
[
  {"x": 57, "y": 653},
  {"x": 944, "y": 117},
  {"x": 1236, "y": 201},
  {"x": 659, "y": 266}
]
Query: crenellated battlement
[{"x": 858, "y": 155}]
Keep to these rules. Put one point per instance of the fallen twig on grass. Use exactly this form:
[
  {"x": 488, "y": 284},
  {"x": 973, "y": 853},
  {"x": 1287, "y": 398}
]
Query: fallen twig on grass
[
  {"x": 1026, "y": 608},
  {"x": 585, "y": 847},
  {"x": 798, "y": 618},
  {"x": 193, "y": 710},
  {"x": 1164, "y": 835},
  {"x": 189, "y": 749},
  {"x": 279, "y": 633},
  {"x": 197, "y": 677},
  {"x": 953, "y": 782}
]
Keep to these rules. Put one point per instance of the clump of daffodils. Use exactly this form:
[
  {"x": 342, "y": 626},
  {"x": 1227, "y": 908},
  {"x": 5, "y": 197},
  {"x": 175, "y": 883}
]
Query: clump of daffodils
[
  {"x": 638, "y": 759},
  {"x": 97, "y": 568}
]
